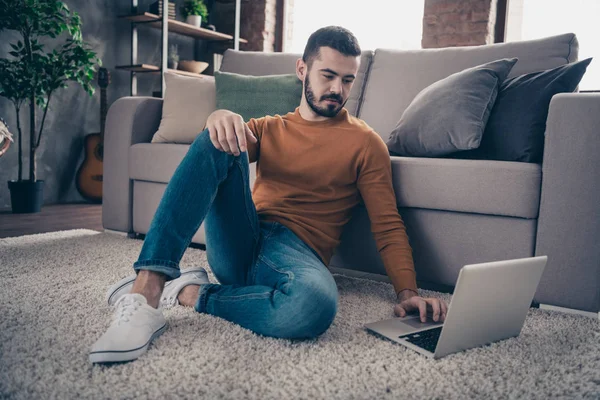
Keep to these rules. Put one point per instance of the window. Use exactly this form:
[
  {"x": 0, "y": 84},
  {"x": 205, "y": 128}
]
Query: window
[
  {"x": 534, "y": 19},
  {"x": 375, "y": 23}
]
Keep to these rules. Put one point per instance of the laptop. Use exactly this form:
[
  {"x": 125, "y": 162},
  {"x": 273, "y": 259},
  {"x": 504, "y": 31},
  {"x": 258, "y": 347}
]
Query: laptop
[{"x": 490, "y": 303}]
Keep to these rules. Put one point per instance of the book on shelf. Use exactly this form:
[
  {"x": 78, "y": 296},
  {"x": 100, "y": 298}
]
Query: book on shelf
[{"x": 156, "y": 8}]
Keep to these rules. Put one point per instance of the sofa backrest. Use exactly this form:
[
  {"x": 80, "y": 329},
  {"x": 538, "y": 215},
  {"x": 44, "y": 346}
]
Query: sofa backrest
[
  {"x": 397, "y": 76},
  {"x": 258, "y": 64}
]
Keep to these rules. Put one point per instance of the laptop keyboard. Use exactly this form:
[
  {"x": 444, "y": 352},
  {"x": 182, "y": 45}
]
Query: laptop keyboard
[{"x": 426, "y": 339}]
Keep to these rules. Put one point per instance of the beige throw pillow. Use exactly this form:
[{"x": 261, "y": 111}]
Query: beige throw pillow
[{"x": 187, "y": 104}]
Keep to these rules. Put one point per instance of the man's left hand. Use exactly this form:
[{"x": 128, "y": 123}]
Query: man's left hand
[{"x": 412, "y": 303}]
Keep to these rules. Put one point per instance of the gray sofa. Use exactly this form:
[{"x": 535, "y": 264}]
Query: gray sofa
[{"x": 456, "y": 211}]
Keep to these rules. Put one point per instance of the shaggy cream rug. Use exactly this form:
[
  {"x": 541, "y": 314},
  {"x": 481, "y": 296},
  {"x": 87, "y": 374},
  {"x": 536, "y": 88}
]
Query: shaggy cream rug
[{"x": 52, "y": 309}]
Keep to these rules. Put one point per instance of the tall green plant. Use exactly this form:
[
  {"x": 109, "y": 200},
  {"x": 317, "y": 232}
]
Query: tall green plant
[{"x": 33, "y": 74}]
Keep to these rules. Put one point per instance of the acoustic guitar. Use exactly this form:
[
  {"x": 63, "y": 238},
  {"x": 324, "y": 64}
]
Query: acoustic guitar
[{"x": 89, "y": 175}]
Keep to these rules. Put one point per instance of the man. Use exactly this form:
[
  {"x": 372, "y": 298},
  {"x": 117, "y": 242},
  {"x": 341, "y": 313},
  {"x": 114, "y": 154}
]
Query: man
[{"x": 269, "y": 248}]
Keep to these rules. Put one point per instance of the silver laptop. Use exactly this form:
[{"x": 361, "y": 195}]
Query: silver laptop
[{"x": 490, "y": 303}]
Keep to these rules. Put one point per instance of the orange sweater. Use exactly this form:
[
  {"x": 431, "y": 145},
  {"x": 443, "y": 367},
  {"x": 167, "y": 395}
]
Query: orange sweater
[{"x": 310, "y": 175}]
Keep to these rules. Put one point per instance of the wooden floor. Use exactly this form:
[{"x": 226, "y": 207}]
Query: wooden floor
[{"x": 52, "y": 218}]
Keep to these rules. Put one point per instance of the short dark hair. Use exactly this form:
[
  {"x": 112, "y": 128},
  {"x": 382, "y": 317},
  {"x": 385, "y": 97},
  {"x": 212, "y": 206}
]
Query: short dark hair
[{"x": 336, "y": 37}]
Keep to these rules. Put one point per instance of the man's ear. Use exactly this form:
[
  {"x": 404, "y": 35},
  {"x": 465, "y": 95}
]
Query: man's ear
[{"x": 301, "y": 69}]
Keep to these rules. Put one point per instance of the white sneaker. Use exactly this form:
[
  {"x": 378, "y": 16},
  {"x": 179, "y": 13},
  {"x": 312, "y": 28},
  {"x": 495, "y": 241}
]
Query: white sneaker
[
  {"x": 196, "y": 276},
  {"x": 135, "y": 325},
  {"x": 193, "y": 276}
]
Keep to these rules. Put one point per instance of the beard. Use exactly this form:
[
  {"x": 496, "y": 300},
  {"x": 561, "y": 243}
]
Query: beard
[{"x": 330, "y": 110}]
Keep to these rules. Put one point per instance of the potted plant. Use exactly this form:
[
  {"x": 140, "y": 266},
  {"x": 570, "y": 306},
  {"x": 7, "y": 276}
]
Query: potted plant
[
  {"x": 194, "y": 12},
  {"x": 33, "y": 74},
  {"x": 173, "y": 58}
]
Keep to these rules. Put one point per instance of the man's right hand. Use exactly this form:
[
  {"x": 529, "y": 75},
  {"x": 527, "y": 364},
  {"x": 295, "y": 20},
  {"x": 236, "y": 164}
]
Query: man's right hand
[{"x": 227, "y": 129}]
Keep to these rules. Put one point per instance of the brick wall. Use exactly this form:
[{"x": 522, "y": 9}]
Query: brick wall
[
  {"x": 449, "y": 23},
  {"x": 258, "y": 27},
  {"x": 258, "y": 22}
]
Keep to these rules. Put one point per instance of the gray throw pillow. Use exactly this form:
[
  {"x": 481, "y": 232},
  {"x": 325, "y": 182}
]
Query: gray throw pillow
[
  {"x": 517, "y": 125},
  {"x": 257, "y": 96},
  {"x": 450, "y": 115}
]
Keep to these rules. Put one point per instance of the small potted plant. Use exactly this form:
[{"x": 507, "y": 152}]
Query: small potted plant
[
  {"x": 173, "y": 58},
  {"x": 194, "y": 12},
  {"x": 33, "y": 74}
]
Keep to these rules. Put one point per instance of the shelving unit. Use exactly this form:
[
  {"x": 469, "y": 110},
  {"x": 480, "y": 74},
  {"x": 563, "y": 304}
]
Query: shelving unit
[
  {"x": 167, "y": 25},
  {"x": 180, "y": 27},
  {"x": 155, "y": 69}
]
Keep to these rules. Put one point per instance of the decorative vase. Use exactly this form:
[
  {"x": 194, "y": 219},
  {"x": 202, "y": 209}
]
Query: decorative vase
[
  {"x": 26, "y": 196},
  {"x": 195, "y": 20}
]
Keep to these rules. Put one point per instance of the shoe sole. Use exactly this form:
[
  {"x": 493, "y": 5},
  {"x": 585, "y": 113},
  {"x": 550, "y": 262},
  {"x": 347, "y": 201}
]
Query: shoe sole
[
  {"x": 124, "y": 355},
  {"x": 126, "y": 281}
]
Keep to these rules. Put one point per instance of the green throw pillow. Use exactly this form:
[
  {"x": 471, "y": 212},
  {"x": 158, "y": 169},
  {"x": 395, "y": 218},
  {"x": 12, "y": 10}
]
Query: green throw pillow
[{"x": 257, "y": 96}]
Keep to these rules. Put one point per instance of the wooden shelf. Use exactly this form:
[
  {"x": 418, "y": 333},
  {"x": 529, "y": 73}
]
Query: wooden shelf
[
  {"x": 180, "y": 27},
  {"x": 139, "y": 68},
  {"x": 155, "y": 69},
  {"x": 186, "y": 73}
]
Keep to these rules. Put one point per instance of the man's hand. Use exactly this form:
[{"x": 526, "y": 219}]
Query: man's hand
[
  {"x": 227, "y": 129},
  {"x": 410, "y": 302}
]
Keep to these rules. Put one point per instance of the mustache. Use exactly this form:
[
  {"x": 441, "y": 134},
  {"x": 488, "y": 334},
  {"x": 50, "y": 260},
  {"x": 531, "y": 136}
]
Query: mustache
[{"x": 332, "y": 97}]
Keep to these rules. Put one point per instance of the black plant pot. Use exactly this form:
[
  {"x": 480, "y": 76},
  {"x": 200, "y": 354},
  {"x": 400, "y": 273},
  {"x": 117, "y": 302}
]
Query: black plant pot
[{"x": 26, "y": 196}]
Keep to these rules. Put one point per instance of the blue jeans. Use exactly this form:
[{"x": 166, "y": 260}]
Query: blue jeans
[{"x": 271, "y": 282}]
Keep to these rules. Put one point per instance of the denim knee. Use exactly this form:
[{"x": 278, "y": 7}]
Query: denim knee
[
  {"x": 202, "y": 144},
  {"x": 203, "y": 141},
  {"x": 315, "y": 310},
  {"x": 324, "y": 314}
]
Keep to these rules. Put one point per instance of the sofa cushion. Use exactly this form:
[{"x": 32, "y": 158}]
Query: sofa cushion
[
  {"x": 451, "y": 114},
  {"x": 257, "y": 96},
  {"x": 258, "y": 63},
  {"x": 186, "y": 106},
  {"x": 397, "y": 76},
  {"x": 517, "y": 124},
  {"x": 155, "y": 162},
  {"x": 475, "y": 186}
]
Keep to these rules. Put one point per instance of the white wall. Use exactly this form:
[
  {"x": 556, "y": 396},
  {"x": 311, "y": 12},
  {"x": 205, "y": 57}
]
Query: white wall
[
  {"x": 376, "y": 24},
  {"x": 533, "y": 19}
]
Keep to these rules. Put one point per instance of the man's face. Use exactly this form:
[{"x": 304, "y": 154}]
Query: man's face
[{"x": 328, "y": 82}]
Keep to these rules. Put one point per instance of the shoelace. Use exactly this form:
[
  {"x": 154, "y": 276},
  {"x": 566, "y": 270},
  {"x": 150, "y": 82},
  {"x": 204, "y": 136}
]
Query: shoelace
[
  {"x": 167, "y": 302},
  {"x": 125, "y": 309}
]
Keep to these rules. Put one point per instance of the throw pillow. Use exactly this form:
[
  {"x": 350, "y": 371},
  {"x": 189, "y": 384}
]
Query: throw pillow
[
  {"x": 257, "y": 96},
  {"x": 517, "y": 124},
  {"x": 450, "y": 114},
  {"x": 186, "y": 106}
]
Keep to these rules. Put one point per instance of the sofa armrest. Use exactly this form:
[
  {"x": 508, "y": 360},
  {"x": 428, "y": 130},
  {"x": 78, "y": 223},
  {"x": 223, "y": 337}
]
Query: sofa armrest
[
  {"x": 569, "y": 219},
  {"x": 129, "y": 120}
]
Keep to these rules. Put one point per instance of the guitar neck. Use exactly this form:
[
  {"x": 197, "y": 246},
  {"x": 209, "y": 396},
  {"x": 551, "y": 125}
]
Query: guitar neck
[{"x": 103, "y": 111}]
